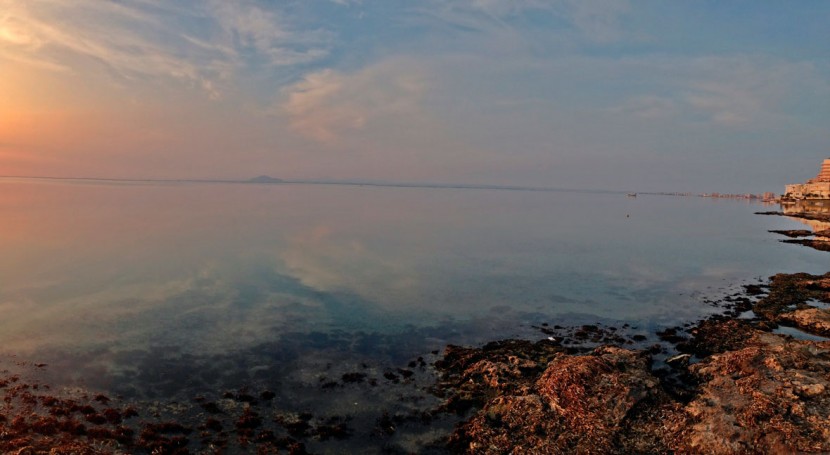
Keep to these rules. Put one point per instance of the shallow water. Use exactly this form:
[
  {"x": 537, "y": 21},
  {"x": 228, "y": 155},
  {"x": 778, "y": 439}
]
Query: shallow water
[
  {"x": 166, "y": 290},
  {"x": 798, "y": 334}
]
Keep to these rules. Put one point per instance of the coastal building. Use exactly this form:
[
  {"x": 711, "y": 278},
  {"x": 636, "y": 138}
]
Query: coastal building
[{"x": 815, "y": 188}]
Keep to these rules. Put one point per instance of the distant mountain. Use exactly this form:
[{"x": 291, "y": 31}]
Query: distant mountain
[{"x": 265, "y": 179}]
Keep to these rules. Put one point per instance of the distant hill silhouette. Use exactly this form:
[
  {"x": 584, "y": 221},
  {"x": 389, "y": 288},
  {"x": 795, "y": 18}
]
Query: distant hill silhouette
[{"x": 265, "y": 179}]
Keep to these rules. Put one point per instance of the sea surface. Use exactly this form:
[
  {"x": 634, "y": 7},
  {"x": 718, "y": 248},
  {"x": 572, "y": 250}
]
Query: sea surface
[{"x": 163, "y": 291}]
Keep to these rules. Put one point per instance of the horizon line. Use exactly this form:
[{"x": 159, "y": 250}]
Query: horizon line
[
  {"x": 347, "y": 182},
  {"x": 312, "y": 181}
]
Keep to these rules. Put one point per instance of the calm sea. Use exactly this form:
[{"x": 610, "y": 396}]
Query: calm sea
[{"x": 156, "y": 291}]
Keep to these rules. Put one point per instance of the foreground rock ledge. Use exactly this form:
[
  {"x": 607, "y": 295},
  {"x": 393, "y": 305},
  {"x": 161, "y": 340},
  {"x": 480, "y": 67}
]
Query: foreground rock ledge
[
  {"x": 788, "y": 302},
  {"x": 771, "y": 394}
]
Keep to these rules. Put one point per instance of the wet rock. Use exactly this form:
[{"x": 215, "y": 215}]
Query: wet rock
[
  {"x": 211, "y": 407},
  {"x": 788, "y": 291},
  {"x": 593, "y": 394},
  {"x": 470, "y": 376},
  {"x": 788, "y": 302},
  {"x": 503, "y": 365},
  {"x": 793, "y": 233},
  {"x": 671, "y": 335},
  {"x": 579, "y": 404},
  {"x": 350, "y": 378},
  {"x": 297, "y": 425},
  {"x": 406, "y": 374},
  {"x": 753, "y": 392},
  {"x": 385, "y": 425},
  {"x": 112, "y": 416},
  {"x": 213, "y": 424},
  {"x": 245, "y": 397},
  {"x": 329, "y": 384},
  {"x": 96, "y": 419},
  {"x": 812, "y": 320},
  {"x": 129, "y": 412},
  {"x": 333, "y": 428},
  {"x": 816, "y": 244},
  {"x": 755, "y": 289},
  {"x": 249, "y": 420},
  {"x": 716, "y": 335}
]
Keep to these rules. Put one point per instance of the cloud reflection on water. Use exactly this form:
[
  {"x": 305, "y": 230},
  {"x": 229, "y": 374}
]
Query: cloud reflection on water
[{"x": 216, "y": 267}]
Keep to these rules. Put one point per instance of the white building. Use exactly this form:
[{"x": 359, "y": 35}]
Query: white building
[{"x": 816, "y": 188}]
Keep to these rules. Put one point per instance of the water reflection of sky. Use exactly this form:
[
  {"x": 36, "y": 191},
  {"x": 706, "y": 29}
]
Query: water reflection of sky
[{"x": 218, "y": 267}]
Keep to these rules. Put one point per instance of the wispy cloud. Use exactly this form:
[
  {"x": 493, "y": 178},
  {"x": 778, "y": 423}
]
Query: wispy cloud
[
  {"x": 726, "y": 104},
  {"x": 347, "y": 2},
  {"x": 203, "y": 44},
  {"x": 737, "y": 91},
  {"x": 647, "y": 107},
  {"x": 598, "y": 20},
  {"x": 327, "y": 104},
  {"x": 249, "y": 27},
  {"x": 595, "y": 20}
]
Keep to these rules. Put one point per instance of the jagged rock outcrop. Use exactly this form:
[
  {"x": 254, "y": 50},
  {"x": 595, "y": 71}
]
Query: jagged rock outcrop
[
  {"x": 762, "y": 393},
  {"x": 607, "y": 401},
  {"x": 788, "y": 302},
  {"x": 772, "y": 396}
]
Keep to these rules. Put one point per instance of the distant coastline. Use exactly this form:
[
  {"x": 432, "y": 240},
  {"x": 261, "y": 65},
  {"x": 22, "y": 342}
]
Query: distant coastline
[{"x": 268, "y": 180}]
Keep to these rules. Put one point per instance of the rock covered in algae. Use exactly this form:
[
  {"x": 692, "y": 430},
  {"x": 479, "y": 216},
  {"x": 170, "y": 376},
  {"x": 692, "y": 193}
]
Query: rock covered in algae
[
  {"x": 812, "y": 320},
  {"x": 584, "y": 404},
  {"x": 766, "y": 393},
  {"x": 772, "y": 396}
]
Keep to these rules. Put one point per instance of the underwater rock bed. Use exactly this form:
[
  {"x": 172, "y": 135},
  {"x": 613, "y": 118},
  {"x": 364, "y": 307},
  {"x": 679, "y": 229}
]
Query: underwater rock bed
[{"x": 723, "y": 385}]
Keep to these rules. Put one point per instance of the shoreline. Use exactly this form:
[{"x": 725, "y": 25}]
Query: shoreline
[
  {"x": 735, "y": 386},
  {"x": 726, "y": 384}
]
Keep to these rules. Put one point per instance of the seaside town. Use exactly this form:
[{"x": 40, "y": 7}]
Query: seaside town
[
  {"x": 817, "y": 188},
  {"x": 766, "y": 197}
]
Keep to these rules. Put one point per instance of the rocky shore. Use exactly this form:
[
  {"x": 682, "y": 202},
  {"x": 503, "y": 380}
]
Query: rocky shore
[
  {"x": 755, "y": 379},
  {"x": 728, "y": 385},
  {"x": 746, "y": 391},
  {"x": 818, "y": 238}
]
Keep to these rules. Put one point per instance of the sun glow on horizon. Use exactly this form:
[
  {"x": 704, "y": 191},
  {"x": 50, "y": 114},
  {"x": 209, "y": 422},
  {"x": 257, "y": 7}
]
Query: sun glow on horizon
[{"x": 551, "y": 93}]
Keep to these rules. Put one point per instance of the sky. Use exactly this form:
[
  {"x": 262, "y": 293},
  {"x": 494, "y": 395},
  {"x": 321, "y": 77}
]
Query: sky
[{"x": 729, "y": 96}]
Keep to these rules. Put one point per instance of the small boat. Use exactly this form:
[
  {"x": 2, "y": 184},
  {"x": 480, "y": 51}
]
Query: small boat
[{"x": 632, "y": 195}]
